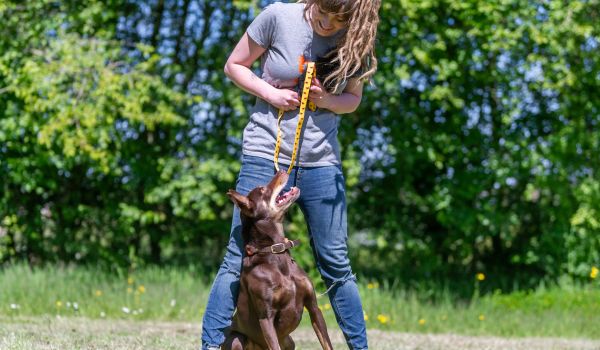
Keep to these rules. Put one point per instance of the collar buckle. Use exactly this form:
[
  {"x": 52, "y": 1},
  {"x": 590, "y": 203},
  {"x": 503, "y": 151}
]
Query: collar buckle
[{"x": 278, "y": 248}]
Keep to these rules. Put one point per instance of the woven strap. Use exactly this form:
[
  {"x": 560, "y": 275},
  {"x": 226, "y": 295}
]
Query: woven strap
[{"x": 310, "y": 69}]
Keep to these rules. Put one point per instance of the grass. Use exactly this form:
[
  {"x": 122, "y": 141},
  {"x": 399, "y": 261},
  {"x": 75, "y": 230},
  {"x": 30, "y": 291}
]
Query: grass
[
  {"x": 169, "y": 294},
  {"x": 47, "y": 332}
]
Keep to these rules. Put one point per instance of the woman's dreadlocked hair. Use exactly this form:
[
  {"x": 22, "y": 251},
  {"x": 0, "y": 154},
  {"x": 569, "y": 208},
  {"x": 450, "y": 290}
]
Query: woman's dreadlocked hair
[{"x": 355, "y": 54}]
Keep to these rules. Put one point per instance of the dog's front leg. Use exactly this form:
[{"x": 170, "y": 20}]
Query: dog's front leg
[
  {"x": 317, "y": 320},
  {"x": 268, "y": 330},
  {"x": 260, "y": 293}
]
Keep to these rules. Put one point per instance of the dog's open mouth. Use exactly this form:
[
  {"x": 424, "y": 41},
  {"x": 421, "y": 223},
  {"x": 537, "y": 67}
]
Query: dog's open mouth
[{"x": 287, "y": 197}]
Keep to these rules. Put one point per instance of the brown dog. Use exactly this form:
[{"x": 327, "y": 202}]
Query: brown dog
[{"x": 273, "y": 289}]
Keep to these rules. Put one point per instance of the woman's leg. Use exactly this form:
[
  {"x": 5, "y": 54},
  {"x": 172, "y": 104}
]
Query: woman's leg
[
  {"x": 323, "y": 201},
  {"x": 223, "y": 295}
]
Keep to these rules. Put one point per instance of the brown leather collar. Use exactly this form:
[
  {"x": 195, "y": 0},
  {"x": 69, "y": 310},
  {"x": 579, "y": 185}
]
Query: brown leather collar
[{"x": 276, "y": 248}]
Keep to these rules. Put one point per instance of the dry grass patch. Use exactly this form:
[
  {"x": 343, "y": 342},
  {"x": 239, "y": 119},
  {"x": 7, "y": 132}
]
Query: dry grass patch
[{"x": 45, "y": 333}]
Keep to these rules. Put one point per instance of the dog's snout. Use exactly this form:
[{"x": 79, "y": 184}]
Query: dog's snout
[{"x": 280, "y": 178}]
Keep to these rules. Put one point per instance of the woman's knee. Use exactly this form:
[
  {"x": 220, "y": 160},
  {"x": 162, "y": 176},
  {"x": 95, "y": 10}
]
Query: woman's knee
[{"x": 335, "y": 270}]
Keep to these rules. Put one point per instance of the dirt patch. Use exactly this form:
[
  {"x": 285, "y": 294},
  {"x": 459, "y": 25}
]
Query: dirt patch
[{"x": 47, "y": 333}]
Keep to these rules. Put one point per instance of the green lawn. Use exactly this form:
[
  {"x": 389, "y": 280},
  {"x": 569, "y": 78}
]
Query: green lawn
[{"x": 171, "y": 294}]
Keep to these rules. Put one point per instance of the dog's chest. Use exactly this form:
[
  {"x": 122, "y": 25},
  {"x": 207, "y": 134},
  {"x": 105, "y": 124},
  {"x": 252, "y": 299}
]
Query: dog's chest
[
  {"x": 284, "y": 292},
  {"x": 271, "y": 291}
]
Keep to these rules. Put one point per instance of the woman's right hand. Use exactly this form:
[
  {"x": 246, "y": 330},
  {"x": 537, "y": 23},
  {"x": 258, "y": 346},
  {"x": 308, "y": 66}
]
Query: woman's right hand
[
  {"x": 237, "y": 68},
  {"x": 285, "y": 99}
]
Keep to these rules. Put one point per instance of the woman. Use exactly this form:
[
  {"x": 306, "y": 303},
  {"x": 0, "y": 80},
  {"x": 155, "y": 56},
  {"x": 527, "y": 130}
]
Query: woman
[{"x": 285, "y": 36}]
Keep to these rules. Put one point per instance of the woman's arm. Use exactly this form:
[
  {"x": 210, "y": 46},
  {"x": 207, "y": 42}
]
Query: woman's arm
[
  {"x": 346, "y": 102},
  {"x": 237, "y": 68}
]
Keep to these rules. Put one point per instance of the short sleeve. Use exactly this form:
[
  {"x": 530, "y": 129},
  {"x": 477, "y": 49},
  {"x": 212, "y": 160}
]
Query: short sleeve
[{"x": 262, "y": 28}]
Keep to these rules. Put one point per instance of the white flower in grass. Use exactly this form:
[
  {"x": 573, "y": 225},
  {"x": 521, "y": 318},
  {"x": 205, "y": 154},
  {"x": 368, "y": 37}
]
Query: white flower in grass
[
  {"x": 173, "y": 302},
  {"x": 68, "y": 304},
  {"x": 75, "y": 306},
  {"x": 102, "y": 314},
  {"x": 141, "y": 311},
  {"x": 135, "y": 312},
  {"x": 125, "y": 309},
  {"x": 15, "y": 306}
]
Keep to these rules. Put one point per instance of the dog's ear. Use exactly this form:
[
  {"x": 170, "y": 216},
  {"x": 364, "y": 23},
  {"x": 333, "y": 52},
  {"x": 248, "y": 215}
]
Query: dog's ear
[{"x": 245, "y": 205}]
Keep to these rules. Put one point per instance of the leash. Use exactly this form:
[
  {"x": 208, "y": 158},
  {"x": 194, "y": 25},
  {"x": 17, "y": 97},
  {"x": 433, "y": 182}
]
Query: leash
[
  {"x": 331, "y": 287},
  {"x": 310, "y": 69}
]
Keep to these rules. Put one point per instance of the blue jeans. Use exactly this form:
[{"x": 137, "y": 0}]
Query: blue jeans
[{"x": 323, "y": 202}]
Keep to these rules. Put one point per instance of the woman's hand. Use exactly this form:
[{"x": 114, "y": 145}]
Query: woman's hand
[
  {"x": 237, "y": 68},
  {"x": 318, "y": 95},
  {"x": 346, "y": 102},
  {"x": 283, "y": 99}
]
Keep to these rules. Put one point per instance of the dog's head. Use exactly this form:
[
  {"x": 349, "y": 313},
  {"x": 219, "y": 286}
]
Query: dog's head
[
  {"x": 324, "y": 66},
  {"x": 266, "y": 202}
]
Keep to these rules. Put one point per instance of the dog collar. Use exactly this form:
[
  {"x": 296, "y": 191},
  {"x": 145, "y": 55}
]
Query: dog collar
[{"x": 276, "y": 248}]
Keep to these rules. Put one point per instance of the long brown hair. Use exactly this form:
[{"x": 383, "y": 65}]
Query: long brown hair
[{"x": 355, "y": 50}]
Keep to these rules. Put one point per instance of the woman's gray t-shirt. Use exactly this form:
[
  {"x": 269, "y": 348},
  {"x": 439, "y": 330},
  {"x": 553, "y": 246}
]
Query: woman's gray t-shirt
[{"x": 290, "y": 41}]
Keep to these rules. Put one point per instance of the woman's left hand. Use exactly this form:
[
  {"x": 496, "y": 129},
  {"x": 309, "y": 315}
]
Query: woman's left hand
[{"x": 318, "y": 95}]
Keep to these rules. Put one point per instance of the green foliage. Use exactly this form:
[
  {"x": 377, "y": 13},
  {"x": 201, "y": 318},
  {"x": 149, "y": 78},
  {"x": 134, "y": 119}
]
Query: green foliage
[
  {"x": 583, "y": 242},
  {"x": 79, "y": 114},
  {"x": 100, "y": 155},
  {"x": 489, "y": 114},
  {"x": 475, "y": 150},
  {"x": 76, "y": 96}
]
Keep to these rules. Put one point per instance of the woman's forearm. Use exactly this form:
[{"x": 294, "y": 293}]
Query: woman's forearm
[
  {"x": 341, "y": 104},
  {"x": 245, "y": 78}
]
